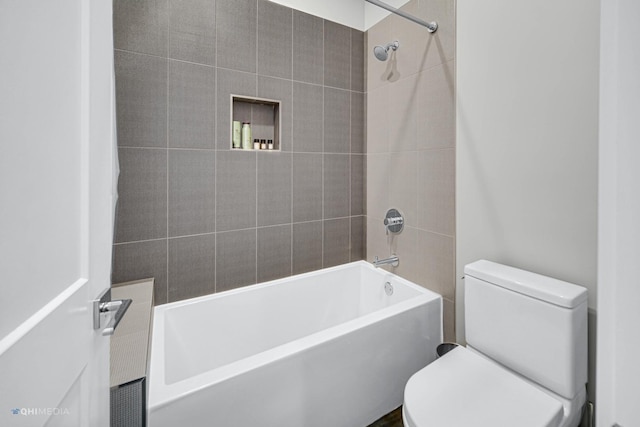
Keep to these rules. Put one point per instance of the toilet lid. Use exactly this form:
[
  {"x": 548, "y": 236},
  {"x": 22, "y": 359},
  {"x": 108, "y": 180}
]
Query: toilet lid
[{"x": 464, "y": 389}]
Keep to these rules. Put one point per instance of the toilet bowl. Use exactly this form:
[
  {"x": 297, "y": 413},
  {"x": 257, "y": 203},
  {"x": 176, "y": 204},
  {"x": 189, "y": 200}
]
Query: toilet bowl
[{"x": 525, "y": 362}]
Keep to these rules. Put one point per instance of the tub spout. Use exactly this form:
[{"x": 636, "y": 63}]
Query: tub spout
[{"x": 393, "y": 260}]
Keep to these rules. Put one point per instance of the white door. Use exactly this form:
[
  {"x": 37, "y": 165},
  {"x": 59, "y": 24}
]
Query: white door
[
  {"x": 618, "y": 370},
  {"x": 56, "y": 157}
]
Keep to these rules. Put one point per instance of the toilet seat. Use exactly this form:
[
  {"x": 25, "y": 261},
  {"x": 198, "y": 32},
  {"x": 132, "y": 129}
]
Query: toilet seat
[{"x": 464, "y": 389}]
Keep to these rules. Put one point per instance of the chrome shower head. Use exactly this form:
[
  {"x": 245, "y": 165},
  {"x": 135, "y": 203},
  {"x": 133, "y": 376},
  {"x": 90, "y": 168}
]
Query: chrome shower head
[{"x": 382, "y": 53}]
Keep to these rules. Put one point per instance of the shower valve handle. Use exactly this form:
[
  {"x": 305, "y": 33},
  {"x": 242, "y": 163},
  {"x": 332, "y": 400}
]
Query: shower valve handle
[{"x": 395, "y": 220}]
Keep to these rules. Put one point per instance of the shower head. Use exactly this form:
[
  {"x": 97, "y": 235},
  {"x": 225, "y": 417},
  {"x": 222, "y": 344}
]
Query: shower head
[{"x": 382, "y": 53}]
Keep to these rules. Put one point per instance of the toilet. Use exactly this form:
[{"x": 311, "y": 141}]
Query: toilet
[{"x": 525, "y": 363}]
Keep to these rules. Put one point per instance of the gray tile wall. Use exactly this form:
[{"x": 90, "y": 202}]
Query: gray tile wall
[
  {"x": 411, "y": 148},
  {"x": 199, "y": 217}
]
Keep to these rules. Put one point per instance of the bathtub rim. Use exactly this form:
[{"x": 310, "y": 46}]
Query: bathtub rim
[{"x": 161, "y": 394}]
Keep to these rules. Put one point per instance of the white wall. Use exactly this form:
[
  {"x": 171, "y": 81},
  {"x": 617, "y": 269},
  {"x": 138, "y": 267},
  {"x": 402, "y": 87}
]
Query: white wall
[
  {"x": 527, "y": 135},
  {"x": 619, "y": 210},
  {"x": 374, "y": 14},
  {"x": 356, "y": 14}
]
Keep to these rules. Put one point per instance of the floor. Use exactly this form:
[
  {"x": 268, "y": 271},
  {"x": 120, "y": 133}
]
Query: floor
[{"x": 392, "y": 419}]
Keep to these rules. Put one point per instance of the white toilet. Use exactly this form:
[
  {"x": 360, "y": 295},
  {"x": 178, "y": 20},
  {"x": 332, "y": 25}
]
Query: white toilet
[{"x": 525, "y": 363}]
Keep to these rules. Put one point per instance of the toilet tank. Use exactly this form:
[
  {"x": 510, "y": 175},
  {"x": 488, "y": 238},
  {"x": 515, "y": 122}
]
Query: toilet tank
[{"x": 532, "y": 324}]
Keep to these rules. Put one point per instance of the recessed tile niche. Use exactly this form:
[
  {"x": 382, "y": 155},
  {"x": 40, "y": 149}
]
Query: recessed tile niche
[{"x": 262, "y": 114}]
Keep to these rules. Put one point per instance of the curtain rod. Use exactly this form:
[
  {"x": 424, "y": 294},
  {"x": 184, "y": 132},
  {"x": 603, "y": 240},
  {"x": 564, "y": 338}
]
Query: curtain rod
[{"x": 431, "y": 26}]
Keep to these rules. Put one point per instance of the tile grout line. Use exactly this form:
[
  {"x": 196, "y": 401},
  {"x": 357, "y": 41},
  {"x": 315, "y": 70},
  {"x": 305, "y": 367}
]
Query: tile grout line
[
  {"x": 216, "y": 155},
  {"x": 251, "y": 142},
  {"x": 267, "y": 152},
  {"x": 139, "y": 241},
  {"x": 256, "y": 218},
  {"x": 324, "y": 66},
  {"x": 350, "y": 137},
  {"x": 291, "y": 142},
  {"x": 167, "y": 156},
  {"x": 248, "y": 72},
  {"x": 263, "y": 227}
]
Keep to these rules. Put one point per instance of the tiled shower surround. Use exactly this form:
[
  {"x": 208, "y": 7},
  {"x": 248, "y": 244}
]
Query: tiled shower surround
[
  {"x": 199, "y": 217},
  {"x": 411, "y": 147}
]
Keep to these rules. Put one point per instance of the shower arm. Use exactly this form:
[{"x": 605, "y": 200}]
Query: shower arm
[{"x": 431, "y": 26}]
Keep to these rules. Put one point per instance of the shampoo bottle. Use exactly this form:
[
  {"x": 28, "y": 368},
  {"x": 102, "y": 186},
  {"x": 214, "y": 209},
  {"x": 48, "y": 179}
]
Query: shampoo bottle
[
  {"x": 246, "y": 136},
  {"x": 237, "y": 132}
]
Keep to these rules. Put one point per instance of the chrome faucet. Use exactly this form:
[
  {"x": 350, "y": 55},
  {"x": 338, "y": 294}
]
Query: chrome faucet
[{"x": 393, "y": 260}]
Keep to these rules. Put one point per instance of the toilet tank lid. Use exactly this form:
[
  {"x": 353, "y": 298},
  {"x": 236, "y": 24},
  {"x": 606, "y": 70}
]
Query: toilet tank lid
[{"x": 554, "y": 291}]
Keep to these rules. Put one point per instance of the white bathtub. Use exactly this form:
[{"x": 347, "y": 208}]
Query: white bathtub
[{"x": 327, "y": 348}]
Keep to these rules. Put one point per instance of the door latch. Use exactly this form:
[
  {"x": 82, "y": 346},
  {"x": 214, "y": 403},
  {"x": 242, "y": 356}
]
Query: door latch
[{"x": 102, "y": 305}]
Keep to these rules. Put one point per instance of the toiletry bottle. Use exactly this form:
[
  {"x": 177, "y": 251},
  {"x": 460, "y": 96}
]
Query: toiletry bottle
[
  {"x": 246, "y": 136},
  {"x": 256, "y": 144},
  {"x": 270, "y": 144},
  {"x": 237, "y": 134},
  {"x": 263, "y": 144}
]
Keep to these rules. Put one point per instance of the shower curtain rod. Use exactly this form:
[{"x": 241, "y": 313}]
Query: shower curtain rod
[{"x": 431, "y": 26}]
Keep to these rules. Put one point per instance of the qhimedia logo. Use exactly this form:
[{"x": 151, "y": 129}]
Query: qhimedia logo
[{"x": 40, "y": 411}]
